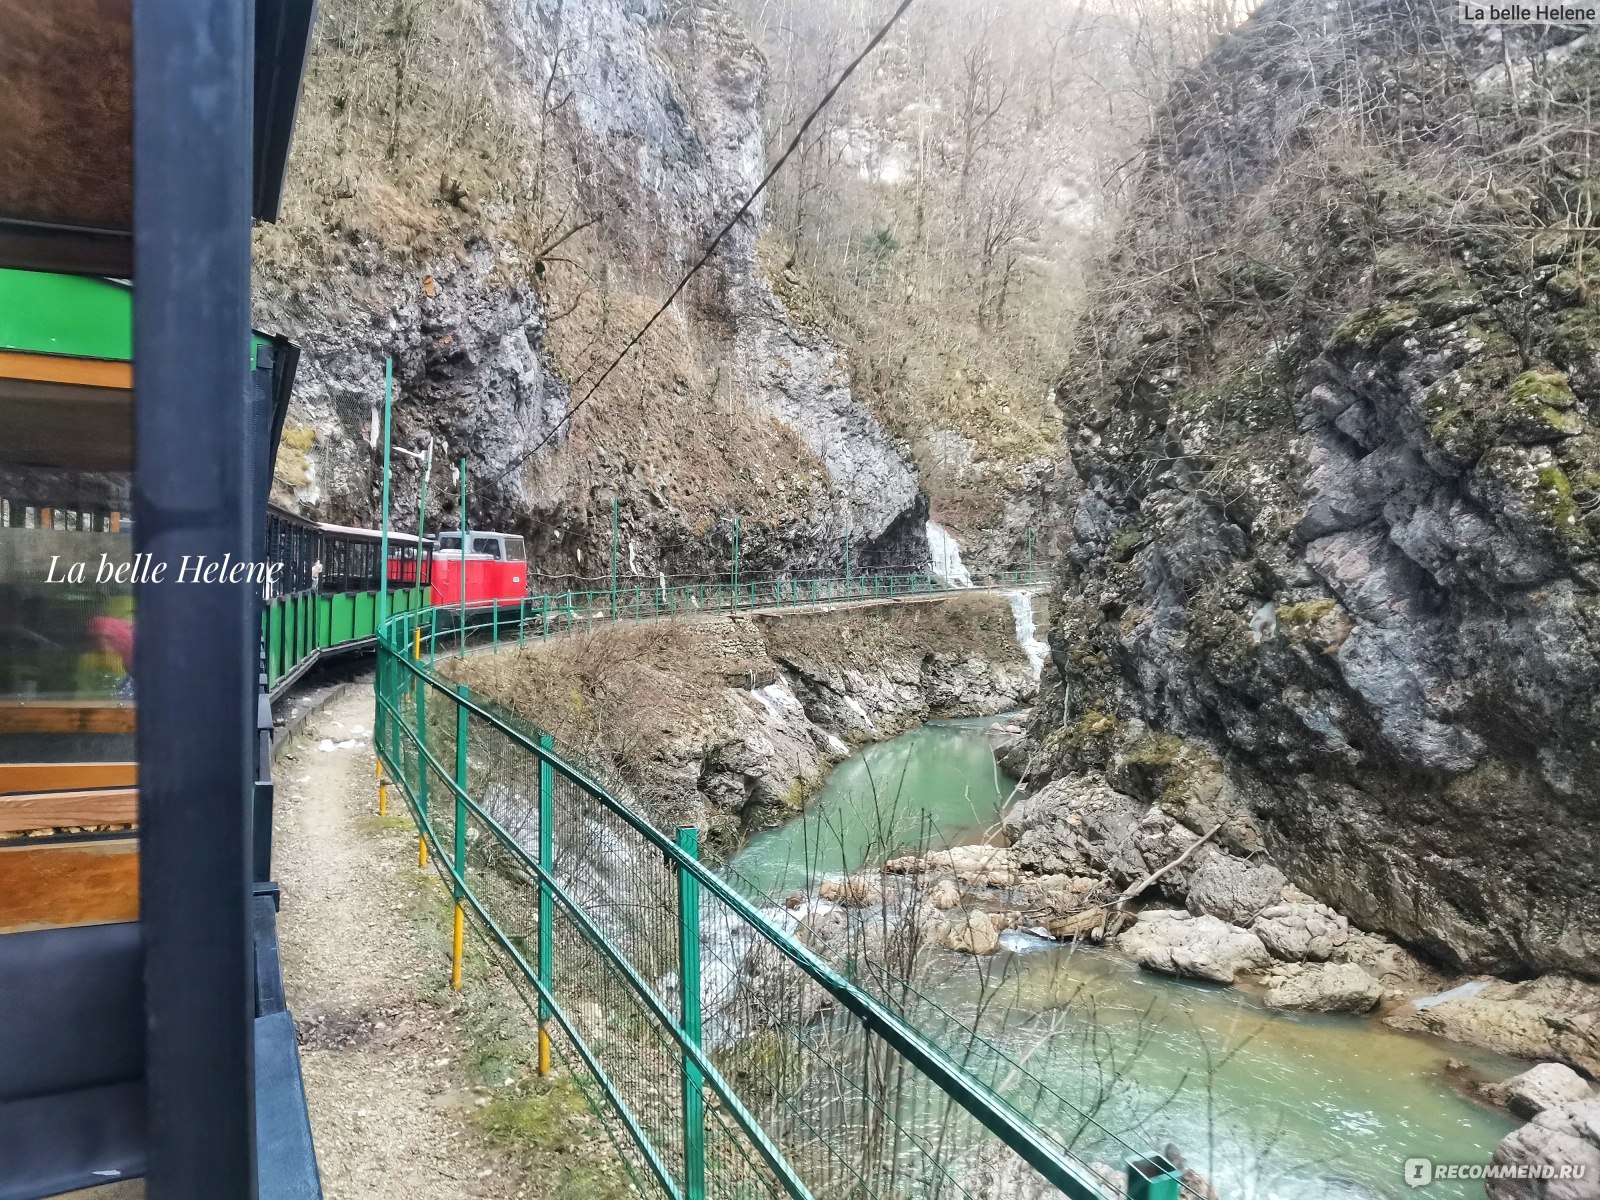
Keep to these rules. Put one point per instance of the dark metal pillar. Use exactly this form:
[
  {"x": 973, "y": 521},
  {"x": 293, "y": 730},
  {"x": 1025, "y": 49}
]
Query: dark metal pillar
[{"x": 196, "y": 646}]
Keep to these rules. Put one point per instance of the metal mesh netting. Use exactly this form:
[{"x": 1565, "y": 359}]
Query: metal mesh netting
[{"x": 768, "y": 1074}]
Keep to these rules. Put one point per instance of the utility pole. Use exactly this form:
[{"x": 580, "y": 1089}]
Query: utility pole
[
  {"x": 383, "y": 537},
  {"x": 422, "y": 498},
  {"x": 462, "y": 472}
]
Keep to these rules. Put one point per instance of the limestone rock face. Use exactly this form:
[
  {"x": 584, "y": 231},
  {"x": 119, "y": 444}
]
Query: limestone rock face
[
  {"x": 670, "y": 141},
  {"x": 1336, "y": 575},
  {"x": 1554, "y": 1019},
  {"x": 1178, "y": 943},
  {"x": 1538, "y": 1088},
  {"x": 1323, "y": 988},
  {"x": 1301, "y": 931},
  {"x": 1233, "y": 889},
  {"x": 1566, "y": 1136}
]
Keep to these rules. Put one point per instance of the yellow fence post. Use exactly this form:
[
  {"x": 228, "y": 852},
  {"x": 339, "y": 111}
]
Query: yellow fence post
[{"x": 383, "y": 790}]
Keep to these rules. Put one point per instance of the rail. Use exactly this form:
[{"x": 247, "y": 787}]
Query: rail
[{"x": 754, "y": 1070}]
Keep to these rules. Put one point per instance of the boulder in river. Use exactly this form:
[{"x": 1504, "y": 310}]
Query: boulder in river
[
  {"x": 1296, "y": 932},
  {"x": 944, "y": 895},
  {"x": 1566, "y": 1137},
  {"x": 1323, "y": 988},
  {"x": 1234, "y": 889},
  {"x": 853, "y": 891},
  {"x": 978, "y": 866},
  {"x": 1538, "y": 1088},
  {"x": 1203, "y": 947},
  {"x": 973, "y": 933}
]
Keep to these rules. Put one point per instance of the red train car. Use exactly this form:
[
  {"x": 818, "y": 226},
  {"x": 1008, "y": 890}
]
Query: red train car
[{"x": 495, "y": 569}]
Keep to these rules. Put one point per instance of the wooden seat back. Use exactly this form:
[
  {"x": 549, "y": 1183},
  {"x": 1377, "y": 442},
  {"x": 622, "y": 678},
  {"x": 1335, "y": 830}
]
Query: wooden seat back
[{"x": 56, "y": 881}]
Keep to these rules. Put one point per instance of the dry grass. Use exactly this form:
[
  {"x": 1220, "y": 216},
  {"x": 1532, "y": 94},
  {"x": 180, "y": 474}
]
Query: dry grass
[
  {"x": 865, "y": 638},
  {"x": 673, "y": 414},
  {"x": 407, "y": 136},
  {"x": 617, "y": 695}
]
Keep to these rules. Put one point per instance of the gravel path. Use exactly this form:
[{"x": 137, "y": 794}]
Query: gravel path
[{"x": 381, "y": 1048}]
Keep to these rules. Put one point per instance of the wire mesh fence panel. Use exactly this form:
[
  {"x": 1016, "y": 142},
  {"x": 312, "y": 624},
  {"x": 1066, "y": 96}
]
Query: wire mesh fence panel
[{"x": 729, "y": 1059}]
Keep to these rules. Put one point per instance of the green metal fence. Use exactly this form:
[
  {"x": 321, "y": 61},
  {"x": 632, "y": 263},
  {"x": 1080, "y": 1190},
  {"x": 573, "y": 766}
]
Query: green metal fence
[{"x": 728, "y": 1059}]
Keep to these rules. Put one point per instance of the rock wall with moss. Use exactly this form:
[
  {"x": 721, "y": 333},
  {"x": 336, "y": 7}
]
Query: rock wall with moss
[{"x": 1335, "y": 423}]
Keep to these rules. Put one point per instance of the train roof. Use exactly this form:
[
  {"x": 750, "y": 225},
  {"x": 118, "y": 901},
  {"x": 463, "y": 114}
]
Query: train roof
[{"x": 371, "y": 535}]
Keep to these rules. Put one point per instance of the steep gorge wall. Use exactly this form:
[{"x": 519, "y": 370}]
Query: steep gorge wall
[
  {"x": 728, "y": 723},
  {"x": 1345, "y": 375},
  {"x": 498, "y": 196}
]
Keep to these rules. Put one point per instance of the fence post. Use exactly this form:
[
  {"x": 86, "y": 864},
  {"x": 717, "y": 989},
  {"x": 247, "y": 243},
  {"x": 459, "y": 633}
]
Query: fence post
[
  {"x": 544, "y": 618},
  {"x": 547, "y": 858},
  {"x": 422, "y": 767},
  {"x": 522, "y": 620},
  {"x": 494, "y": 626},
  {"x": 377, "y": 737},
  {"x": 459, "y": 865},
  {"x": 694, "y": 1112},
  {"x": 433, "y": 634}
]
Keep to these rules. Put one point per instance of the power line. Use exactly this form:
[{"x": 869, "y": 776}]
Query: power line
[{"x": 711, "y": 249}]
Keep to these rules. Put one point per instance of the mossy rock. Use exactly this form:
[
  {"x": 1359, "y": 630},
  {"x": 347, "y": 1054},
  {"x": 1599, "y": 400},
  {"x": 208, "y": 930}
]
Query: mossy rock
[
  {"x": 1543, "y": 388},
  {"x": 1541, "y": 408},
  {"x": 1484, "y": 404},
  {"x": 1575, "y": 340},
  {"x": 1124, "y": 545},
  {"x": 1545, "y": 491},
  {"x": 1374, "y": 327}
]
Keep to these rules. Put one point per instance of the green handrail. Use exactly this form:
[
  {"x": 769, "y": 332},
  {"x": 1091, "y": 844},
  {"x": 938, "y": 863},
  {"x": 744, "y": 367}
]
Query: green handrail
[{"x": 400, "y": 675}]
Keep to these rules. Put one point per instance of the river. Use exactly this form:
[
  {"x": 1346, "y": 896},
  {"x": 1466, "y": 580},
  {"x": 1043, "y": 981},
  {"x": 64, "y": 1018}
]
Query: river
[{"x": 1269, "y": 1105}]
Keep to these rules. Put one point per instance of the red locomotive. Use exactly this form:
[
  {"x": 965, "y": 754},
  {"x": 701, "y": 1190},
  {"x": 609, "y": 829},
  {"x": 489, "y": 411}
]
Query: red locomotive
[{"x": 495, "y": 568}]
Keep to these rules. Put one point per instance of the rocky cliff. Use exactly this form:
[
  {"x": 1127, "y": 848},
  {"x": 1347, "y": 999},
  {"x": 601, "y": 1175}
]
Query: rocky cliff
[
  {"x": 1337, "y": 506},
  {"x": 499, "y": 195},
  {"x": 729, "y": 722}
]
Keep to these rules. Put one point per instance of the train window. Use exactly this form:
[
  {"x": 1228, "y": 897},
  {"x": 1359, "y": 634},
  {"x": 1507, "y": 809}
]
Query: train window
[
  {"x": 449, "y": 541},
  {"x": 514, "y": 549},
  {"x": 489, "y": 545},
  {"x": 66, "y": 623}
]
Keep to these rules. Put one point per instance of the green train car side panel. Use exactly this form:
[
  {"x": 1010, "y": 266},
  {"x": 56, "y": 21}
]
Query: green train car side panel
[
  {"x": 75, "y": 315},
  {"x": 296, "y": 627}
]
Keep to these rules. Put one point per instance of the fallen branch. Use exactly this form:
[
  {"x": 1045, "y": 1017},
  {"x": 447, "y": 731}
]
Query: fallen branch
[{"x": 1139, "y": 887}]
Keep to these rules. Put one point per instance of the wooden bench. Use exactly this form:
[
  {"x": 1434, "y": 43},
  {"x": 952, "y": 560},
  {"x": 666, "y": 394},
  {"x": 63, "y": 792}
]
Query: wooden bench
[
  {"x": 54, "y": 883},
  {"x": 66, "y": 716}
]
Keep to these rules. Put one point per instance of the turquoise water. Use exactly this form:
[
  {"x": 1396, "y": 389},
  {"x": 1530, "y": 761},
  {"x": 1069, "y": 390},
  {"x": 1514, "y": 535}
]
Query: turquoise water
[
  {"x": 936, "y": 785},
  {"x": 1271, "y": 1106}
]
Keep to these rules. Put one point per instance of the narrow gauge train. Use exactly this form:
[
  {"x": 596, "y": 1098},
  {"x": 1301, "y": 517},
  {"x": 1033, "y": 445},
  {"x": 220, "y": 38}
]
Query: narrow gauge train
[{"x": 326, "y": 599}]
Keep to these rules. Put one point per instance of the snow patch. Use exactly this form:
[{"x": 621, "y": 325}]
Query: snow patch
[
  {"x": 946, "y": 554},
  {"x": 778, "y": 700},
  {"x": 1022, "y": 617},
  {"x": 1455, "y": 993}
]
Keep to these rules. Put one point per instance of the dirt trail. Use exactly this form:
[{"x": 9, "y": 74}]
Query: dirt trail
[{"x": 381, "y": 1048}]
